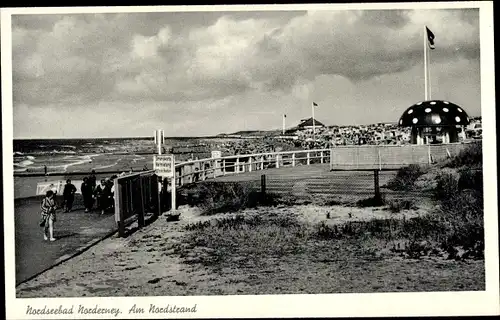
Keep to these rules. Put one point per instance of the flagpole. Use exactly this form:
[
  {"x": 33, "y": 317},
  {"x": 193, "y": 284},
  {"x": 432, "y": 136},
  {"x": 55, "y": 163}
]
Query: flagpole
[
  {"x": 429, "y": 72},
  {"x": 425, "y": 62},
  {"x": 284, "y": 123},
  {"x": 314, "y": 122}
]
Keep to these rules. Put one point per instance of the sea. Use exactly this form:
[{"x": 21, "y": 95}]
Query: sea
[{"x": 64, "y": 158}]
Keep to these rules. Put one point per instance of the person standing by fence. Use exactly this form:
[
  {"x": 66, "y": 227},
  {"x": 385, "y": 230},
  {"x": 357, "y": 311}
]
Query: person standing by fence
[
  {"x": 93, "y": 180},
  {"x": 103, "y": 195},
  {"x": 69, "y": 195},
  {"x": 48, "y": 212},
  {"x": 87, "y": 194},
  {"x": 99, "y": 195}
]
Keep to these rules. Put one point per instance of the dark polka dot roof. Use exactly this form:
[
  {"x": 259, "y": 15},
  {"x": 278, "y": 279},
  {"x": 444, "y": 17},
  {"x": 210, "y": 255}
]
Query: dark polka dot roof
[{"x": 434, "y": 113}]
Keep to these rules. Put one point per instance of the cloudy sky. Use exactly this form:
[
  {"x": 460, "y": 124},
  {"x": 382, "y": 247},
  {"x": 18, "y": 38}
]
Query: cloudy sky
[{"x": 203, "y": 73}]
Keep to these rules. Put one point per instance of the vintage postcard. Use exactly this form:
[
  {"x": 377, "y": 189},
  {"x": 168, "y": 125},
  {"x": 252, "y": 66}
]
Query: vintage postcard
[{"x": 313, "y": 160}]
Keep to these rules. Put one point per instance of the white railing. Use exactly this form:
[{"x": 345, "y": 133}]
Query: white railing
[
  {"x": 200, "y": 170},
  {"x": 373, "y": 157}
]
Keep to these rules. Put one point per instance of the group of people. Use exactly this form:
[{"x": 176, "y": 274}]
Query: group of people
[{"x": 102, "y": 194}]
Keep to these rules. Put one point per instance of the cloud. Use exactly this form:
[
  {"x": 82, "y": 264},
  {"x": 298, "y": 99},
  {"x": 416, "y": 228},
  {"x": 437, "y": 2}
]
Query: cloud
[{"x": 87, "y": 59}]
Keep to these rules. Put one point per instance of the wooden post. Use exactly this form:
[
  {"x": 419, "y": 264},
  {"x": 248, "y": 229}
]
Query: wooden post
[
  {"x": 262, "y": 163},
  {"x": 331, "y": 159},
  {"x": 308, "y": 158},
  {"x": 118, "y": 209},
  {"x": 237, "y": 165},
  {"x": 130, "y": 197},
  {"x": 250, "y": 164},
  {"x": 429, "y": 153},
  {"x": 376, "y": 184},
  {"x": 224, "y": 167},
  {"x": 321, "y": 157},
  {"x": 293, "y": 159},
  {"x": 158, "y": 191},
  {"x": 263, "y": 185},
  {"x": 277, "y": 161},
  {"x": 181, "y": 175},
  {"x": 379, "y": 159},
  {"x": 140, "y": 214},
  {"x": 173, "y": 189}
]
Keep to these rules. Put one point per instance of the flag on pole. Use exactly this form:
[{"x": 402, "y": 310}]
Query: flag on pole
[
  {"x": 315, "y": 104},
  {"x": 430, "y": 38}
]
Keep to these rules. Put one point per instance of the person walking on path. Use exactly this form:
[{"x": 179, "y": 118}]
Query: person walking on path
[
  {"x": 69, "y": 195},
  {"x": 48, "y": 207},
  {"x": 103, "y": 195},
  {"x": 87, "y": 194}
]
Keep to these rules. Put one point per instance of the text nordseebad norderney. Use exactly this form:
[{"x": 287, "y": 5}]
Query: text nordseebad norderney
[{"x": 81, "y": 309}]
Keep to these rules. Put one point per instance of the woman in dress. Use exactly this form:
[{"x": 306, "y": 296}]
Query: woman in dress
[
  {"x": 87, "y": 193},
  {"x": 48, "y": 207}
]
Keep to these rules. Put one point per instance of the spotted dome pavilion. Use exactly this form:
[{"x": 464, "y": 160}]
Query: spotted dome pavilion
[{"x": 435, "y": 121}]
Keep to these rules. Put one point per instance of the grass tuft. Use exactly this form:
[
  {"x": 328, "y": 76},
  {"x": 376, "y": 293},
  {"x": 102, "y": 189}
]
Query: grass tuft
[{"x": 405, "y": 177}]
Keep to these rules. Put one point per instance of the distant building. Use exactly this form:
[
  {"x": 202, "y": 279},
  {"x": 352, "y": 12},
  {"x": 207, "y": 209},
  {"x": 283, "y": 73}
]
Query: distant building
[
  {"x": 435, "y": 121},
  {"x": 308, "y": 124}
]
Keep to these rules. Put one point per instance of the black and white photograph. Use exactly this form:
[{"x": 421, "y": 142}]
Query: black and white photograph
[{"x": 313, "y": 160}]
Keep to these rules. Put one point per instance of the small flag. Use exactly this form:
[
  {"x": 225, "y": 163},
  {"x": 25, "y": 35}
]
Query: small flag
[
  {"x": 315, "y": 104},
  {"x": 284, "y": 116},
  {"x": 430, "y": 37}
]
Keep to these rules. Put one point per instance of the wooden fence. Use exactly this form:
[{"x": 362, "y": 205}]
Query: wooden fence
[
  {"x": 200, "y": 170},
  {"x": 391, "y": 156},
  {"x": 137, "y": 197}
]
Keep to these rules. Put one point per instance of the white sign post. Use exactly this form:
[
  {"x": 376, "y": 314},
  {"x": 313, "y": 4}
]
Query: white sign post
[
  {"x": 159, "y": 139},
  {"x": 164, "y": 165},
  {"x": 217, "y": 155}
]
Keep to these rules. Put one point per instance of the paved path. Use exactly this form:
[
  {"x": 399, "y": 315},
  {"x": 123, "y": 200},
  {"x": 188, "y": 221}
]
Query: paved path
[{"x": 73, "y": 231}]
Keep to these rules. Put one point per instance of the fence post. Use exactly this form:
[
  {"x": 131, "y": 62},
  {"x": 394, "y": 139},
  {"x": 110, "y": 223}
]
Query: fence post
[
  {"x": 224, "y": 167},
  {"x": 173, "y": 194},
  {"x": 250, "y": 164},
  {"x": 429, "y": 153},
  {"x": 262, "y": 163},
  {"x": 321, "y": 157},
  {"x": 308, "y": 158},
  {"x": 140, "y": 214},
  {"x": 331, "y": 159},
  {"x": 237, "y": 165},
  {"x": 119, "y": 209},
  {"x": 377, "y": 185},
  {"x": 158, "y": 190},
  {"x": 277, "y": 161},
  {"x": 263, "y": 185},
  {"x": 379, "y": 159}
]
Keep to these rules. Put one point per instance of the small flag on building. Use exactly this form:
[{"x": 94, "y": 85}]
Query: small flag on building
[
  {"x": 315, "y": 104},
  {"x": 430, "y": 37}
]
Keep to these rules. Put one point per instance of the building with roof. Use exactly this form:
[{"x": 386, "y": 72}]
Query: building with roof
[
  {"x": 435, "y": 121},
  {"x": 308, "y": 124}
]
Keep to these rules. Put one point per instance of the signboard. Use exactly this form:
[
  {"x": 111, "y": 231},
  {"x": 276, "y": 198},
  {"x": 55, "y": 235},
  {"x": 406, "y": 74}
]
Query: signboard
[
  {"x": 164, "y": 165},
  {"x": 57, "y": 186},
  {"x": 216, "y": 154}
]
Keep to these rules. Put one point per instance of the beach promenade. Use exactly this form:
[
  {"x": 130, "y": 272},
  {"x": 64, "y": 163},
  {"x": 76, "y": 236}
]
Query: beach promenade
[{"x": 74, "y": 231}]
